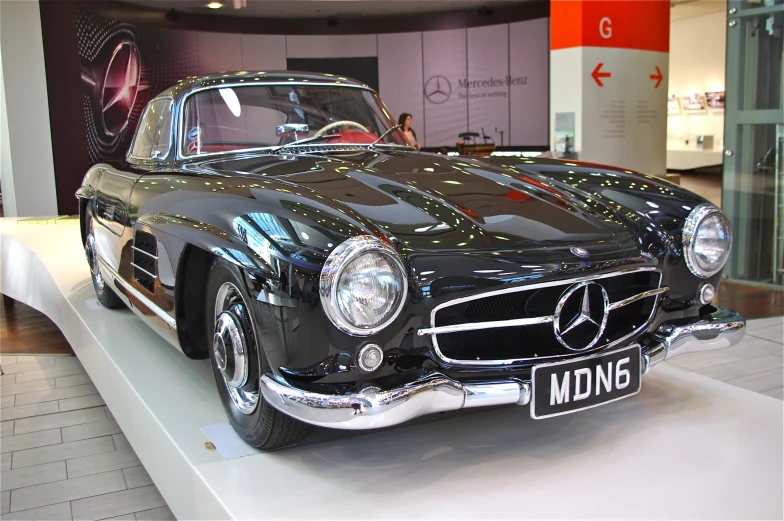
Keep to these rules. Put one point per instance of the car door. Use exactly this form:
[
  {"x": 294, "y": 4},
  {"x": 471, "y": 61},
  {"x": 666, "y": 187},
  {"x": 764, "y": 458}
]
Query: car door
[{"x": 114, "y": 185}]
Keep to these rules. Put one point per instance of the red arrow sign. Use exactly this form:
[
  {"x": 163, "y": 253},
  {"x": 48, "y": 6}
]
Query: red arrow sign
[
  {"x": 596, "y": 75},
  {"x": 658, "y": 77}
]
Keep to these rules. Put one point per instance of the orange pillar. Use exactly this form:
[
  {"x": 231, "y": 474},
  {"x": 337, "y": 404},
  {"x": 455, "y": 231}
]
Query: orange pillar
[{"x": 609, "y": 63}]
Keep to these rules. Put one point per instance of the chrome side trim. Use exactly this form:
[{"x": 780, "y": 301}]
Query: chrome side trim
[
  {"x": 435, "y": 392},
  {"x": 172, "y": 323},
  {"x": 134, "y": 248},
  {"x": 144, "y": 270},
  {"x": 434, "y": 331},
  {"x": 639, "y": 296},
  {"x": 484, "y": 325}
]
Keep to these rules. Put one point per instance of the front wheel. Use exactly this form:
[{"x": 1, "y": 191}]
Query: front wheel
[
  {"x": 238, "y": 362},
  {"x": 106, "y": 296}
]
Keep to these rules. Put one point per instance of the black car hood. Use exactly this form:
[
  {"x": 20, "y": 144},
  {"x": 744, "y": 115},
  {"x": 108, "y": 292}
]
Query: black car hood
[{"x": 433, "y": 203}]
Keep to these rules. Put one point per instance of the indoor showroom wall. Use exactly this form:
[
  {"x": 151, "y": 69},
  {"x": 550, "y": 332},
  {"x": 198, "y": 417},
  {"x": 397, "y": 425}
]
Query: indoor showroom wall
[
  {"x": 27, "y": 175},
  {"x": 697, "y": 65}
]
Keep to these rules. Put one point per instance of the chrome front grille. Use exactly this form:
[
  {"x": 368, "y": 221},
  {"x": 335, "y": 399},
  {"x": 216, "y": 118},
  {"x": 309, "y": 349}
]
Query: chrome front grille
[{"x": 544, "y": 321}]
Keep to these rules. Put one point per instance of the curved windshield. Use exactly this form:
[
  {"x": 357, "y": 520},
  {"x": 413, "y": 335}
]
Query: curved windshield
[{"x": 224, "y": 119}]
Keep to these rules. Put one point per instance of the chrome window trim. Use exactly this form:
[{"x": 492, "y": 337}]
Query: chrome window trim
[
  {"x": 179, "y": 141},
  {"x": 158, "y": 157},
  {"x": 333, "y": 268},
  {"x": 564, "y": 282},
  {"x": 690, "y": 227}
]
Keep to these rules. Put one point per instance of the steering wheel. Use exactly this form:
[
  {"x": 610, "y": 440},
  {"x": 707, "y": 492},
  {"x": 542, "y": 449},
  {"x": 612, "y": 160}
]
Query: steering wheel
[{"x": 336, "y": 124}]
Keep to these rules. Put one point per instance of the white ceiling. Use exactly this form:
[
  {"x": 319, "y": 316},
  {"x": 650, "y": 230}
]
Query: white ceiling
[
  {"x": 681, "y": 9},
  {"x": 323, "y": 8}
]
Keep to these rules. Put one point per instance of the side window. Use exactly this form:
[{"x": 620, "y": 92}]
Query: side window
[{"x": 153, "y": 136}]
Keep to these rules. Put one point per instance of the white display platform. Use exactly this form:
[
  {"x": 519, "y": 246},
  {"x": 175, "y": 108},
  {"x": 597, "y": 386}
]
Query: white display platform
[{"x": 685, "y": 447}]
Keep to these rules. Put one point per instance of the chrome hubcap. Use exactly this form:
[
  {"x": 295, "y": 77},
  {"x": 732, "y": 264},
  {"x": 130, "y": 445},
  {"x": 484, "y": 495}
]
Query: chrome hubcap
[
  {"x": 92, "y": 259},
  {"x": 231, "y": 346}
]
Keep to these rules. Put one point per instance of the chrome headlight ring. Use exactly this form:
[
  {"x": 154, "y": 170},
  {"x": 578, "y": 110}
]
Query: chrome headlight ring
[
  {"x": 690, "y": 230},
  {"x": 335, "y": 266}
]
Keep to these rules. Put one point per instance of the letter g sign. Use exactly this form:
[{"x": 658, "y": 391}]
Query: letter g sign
[{"x": 605, "y": 27}]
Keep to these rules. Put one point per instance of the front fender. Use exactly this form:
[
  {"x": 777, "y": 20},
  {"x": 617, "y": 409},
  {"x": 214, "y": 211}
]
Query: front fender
[{"x": 211, "y": 239}]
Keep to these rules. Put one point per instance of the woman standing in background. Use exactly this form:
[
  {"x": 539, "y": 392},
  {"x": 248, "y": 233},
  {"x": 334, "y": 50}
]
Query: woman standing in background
[{"x": 405, "y": 121}]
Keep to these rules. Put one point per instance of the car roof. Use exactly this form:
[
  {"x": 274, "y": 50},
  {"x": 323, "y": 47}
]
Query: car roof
[{"x": 194, "y": 83}]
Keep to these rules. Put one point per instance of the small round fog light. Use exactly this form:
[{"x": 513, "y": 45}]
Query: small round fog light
[
  {"x": 370, "y": 357},
  {"x": 707, "y": 292}
]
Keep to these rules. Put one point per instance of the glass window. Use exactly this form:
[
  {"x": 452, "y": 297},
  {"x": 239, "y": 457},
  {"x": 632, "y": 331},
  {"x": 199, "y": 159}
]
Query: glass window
[
  {"x": 761, "y": 61},
  {"x": 754, "y": 4},
  {"x": 751, "y": 196},
  {"x": 247, "y": 117},
  {"x": 153, "y": 135}
]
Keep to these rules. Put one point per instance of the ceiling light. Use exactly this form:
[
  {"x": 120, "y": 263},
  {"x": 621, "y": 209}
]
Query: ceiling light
[{"x": 215, "y": 5}]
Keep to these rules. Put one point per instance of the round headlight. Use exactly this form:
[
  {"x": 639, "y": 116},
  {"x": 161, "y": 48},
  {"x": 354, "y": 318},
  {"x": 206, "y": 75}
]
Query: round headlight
[
  {"x": 363, "y": 285},
  {"x": 707, "y": 240}
]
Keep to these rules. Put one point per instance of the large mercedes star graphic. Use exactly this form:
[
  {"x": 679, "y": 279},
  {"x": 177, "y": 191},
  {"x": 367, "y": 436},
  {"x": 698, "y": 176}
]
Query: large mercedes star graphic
[
  {"x": 120, "y": 87},
  {"x": 584, "y": 307},
  {"x": 438, "y": 89}
]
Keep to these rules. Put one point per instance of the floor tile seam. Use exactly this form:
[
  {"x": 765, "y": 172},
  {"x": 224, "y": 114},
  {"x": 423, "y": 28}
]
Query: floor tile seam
[
  {"x": 115, "y": 492},
  {"x": 62, "y": 412},
  {"x": 63, "y": 460},
  {"x": 731, "y": 365},
  {"x": 32, "y": 467},
  {"x": 46, "y": 377},
  {"x": 761, "y": 391},
  {"x": 40, "y": 414},
  {"x": 56, "y": 388},
  {"x": 42, "y": 506},
  {"x": 755, "y": 334},
  {"x": 77, "y": 499},
  {"x": 64, "y": 442}
]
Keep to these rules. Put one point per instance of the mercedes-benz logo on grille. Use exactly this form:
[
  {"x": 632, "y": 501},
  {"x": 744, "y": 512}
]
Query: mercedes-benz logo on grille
[
  {"x": 120, "y": 86},
  {"x": 438, "y": 89},
  {"x": 581, "y": 316},
  {"x": 580, "y": 252}
]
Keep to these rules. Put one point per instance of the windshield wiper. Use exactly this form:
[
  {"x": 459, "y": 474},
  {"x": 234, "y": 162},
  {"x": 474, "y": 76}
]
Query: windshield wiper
[
  {"x": 385, "y": 134},
  {"x": 305, "y": 140}
]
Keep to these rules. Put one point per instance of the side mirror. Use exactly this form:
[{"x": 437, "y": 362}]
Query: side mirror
[{"x": 292, "y": 128}]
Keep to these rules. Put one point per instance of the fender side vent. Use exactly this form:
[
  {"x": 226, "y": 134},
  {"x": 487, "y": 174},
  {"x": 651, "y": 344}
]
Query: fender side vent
[{"x": 145, "y": 260}]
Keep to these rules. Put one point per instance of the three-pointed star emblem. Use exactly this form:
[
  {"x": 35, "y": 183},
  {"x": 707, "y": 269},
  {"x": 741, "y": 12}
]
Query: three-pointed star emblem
[
  {"x": 583, "y": 307},
  {"x": 438, "y": 89},
  {"x": 584, "y": 316}
]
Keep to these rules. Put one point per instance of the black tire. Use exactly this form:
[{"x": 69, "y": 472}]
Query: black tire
[
  {"x": 260, "y": 425},
  {"x": 106, "y": 296}
]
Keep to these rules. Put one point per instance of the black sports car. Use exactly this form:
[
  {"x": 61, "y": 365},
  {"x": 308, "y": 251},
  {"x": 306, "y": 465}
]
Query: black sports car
[{"x": 281, "y": 225}]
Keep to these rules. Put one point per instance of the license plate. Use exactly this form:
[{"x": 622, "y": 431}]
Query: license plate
[{"x": 574, "y": 385}]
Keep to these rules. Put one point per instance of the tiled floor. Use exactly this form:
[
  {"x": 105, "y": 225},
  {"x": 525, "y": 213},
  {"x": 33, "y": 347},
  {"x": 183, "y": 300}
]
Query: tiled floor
[{"x": 63, "y": 455}]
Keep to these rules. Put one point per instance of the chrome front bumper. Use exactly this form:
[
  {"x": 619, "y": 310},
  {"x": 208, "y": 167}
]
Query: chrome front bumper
[{"x": 373, "y": 408}]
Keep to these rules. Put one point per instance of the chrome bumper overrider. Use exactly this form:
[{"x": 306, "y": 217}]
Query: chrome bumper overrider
[{"x": 373, "y": 408}]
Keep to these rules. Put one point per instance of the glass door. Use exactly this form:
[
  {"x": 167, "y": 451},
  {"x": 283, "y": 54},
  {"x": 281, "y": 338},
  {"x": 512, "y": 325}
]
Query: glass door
[{"x": 753, "y": 180}]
